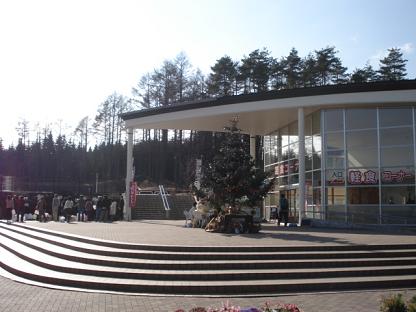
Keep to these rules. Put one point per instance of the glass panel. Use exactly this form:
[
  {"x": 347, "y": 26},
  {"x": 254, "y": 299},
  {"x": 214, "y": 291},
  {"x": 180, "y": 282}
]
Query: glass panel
[
  {"x": 336, "y": 213},
  {"x": 317, "y": 178},
  {"x": 335, "y": 141},
  {"x": 316, "y": 161},
  {"x": 283, "y": 181},
  {"x": 363, "y": 214},
  {"x": 317, "y": 196},
  {"x": 273, "y": 199},
  {"x": 335, "y": 195},
  {"x": 335, "y": 177},
  {"x": 293, "y": 166},
  {"x": 396, "y": 136},
  {"x": 317, "y": 143},
  {"x": 285, "y": 152},
  {"x": 334, "y": 120},
  {"x": 308, "y": 179},
  {"x": 316, "y": 123},
  {"x": 308, "y": 146},
  {"x": 362, "y": 157},
  {"x": 294, "y": 150},
  {"x": 390, "y": 117},
  {"x": 398, "y": 175},
  {"x": 402, "y": 195},
  {"x": 362, "y": 195},
  {"x": 308, "y": 162},
  {"x": 284, "y": 136},
  {"x": 293, "y": 132},
  {"x": 267, "y": 159},
  {"x": 397, "y": 156},
  {"x": 335, "y": 159},
  {"x": 361, "y": 118},
  {"x": 282, "y": 169},
  {"x": 367, "y": 138},
  {"x": 294, "y": 179},
  {"x": 398, "y": 214}
]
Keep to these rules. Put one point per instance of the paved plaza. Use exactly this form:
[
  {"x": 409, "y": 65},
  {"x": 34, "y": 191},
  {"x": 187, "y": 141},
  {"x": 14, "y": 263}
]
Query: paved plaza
[{"x": 18, "y": 297}]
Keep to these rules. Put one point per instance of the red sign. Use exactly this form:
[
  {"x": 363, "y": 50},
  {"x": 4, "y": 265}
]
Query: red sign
[
  {"x": 133, "y": 194},
  {"x": 389, "y": 176},
  {"x": 362, "y": 177}
]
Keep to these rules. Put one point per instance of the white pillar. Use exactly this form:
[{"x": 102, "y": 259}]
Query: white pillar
[
  {"x": 301, "y": 133},
  {"x": 253, "y": 146},
  {"x": 129, "y": 174}
]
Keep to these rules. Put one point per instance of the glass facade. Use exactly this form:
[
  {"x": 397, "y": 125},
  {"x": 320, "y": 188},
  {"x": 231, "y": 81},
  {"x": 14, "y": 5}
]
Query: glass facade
[
  {"x": 281, "y": 155},
  {"x": 359, "y": 165}
]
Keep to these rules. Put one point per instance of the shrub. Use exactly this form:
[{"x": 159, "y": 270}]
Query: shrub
[{"x": 393, "y": 303}]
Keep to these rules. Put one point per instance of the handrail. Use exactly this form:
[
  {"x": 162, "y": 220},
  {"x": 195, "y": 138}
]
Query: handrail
[{"x": 163, "y": 195}]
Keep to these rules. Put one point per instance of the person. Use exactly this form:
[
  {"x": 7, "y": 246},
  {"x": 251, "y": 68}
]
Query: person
[
  {"x": 20, "y": 208},
  {"x": 283, "y": 210},
  {"x": 9, "y": 207},
  {"x": 41, "y": 208},
  {"x": 120, "y": 208},
  {"x": 98, "y": 209},
  {"x": 81, "y": 209},
  {"x": 56, "y": 202},
  {"x": 68, "y": 206},
  {"x": 113, "y": 210},
  {"x": 89, "y": 209}
]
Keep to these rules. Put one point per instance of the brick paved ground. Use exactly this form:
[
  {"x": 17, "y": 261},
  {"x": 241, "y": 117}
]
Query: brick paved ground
[
  {"x": 173, "y": 232},
  {"x": 17, "y": 297}
]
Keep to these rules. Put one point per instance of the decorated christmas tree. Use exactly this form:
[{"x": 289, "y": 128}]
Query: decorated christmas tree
[{"x": 232, "y": 176}]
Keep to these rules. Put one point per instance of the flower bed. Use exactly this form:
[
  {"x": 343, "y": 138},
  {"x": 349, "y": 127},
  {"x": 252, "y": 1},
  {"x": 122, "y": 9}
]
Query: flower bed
[{"x": 227, "y": 307}]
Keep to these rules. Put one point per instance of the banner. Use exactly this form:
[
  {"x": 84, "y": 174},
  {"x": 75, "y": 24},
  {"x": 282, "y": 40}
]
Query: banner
[{"x": 133, "y": 194}]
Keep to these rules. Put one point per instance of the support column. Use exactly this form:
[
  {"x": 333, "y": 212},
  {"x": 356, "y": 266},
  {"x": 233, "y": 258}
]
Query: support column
[
  {"x": 301, "y": 133},
  {"x": 129, "y": 174},
  {"x": 253, "y": 146}
]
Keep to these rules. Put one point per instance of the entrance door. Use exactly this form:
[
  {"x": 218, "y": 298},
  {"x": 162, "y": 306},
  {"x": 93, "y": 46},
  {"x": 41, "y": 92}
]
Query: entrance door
[{"x": 291, "y": 195}]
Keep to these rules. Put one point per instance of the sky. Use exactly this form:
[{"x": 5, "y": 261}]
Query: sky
[{"x": 59, "y": 59}]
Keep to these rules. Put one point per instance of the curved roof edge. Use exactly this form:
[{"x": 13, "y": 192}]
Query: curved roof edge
[{"x": 275, "y": 94}]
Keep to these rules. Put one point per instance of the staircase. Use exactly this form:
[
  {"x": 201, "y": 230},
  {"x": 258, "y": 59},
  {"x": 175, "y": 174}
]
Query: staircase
[
  {"x": 60, "y": 260},
  {"x": 150, "y": 207}
]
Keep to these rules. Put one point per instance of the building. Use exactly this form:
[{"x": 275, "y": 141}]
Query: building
[{"x": 340, "y": 153}]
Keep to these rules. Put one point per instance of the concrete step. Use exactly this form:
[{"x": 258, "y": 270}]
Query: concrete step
[
  {"x": 64, "y": 260},
  {"x": 22, "y": 268}
]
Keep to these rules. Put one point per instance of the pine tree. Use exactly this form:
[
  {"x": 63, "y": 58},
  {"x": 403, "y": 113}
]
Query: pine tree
[
  {"x": 223, "y": 77},
  {"x": 393, "y": 66},
  {"x": 232, "y": 176},
  {"x": 366, "y": 74},
  {"x": 292, "y": 70}
]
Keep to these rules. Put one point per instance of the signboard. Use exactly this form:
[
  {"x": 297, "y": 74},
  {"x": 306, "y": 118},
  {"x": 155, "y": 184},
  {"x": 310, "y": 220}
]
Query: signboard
[
  {"x": 335, "y": 177},
  {"x": 362, "y": 176},
  {"x": 397, "y": 176},
  {"x": 133, "y": 194}
]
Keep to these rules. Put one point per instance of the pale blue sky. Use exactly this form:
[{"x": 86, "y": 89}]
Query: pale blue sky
[{"x": 60, "y": 59}]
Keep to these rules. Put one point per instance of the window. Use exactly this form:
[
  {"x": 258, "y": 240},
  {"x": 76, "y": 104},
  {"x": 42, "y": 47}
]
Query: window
[
  {"x": 397, "y": 156},
  {"x": 398, "y": 195},
  {"x": 335, "y": 195},
  {"x": 396, "y": 136},
  {"x": 363, "y": 138},
  {"x": 334, "y": 120},
  {"x": 362, "y": 157},
  {"x": 362, "y": 195},
  {"x": 361, "y": 118},
  {"x": 391, "y": 117},
  {"x": 335, "y": 140}
]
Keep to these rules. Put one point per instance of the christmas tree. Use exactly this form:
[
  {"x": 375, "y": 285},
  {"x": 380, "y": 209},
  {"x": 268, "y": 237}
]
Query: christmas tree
[{"x": 232, "y": 176}]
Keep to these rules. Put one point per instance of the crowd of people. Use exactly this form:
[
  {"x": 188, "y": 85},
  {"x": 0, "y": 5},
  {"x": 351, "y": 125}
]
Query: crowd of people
[{"x": 64, "y": 208}]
